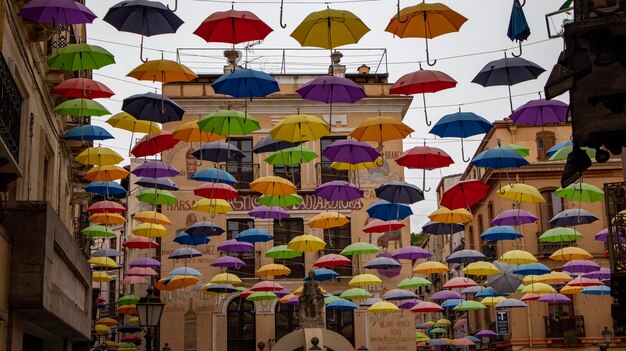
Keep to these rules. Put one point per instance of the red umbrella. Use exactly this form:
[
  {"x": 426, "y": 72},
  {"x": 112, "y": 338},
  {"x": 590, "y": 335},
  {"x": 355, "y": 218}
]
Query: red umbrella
[
  {"x": 464, "y": 194},
  {"x": 380, "y": 226},
  {"x": 153, "y": 144},
  {"x": 424, "y": 157},
  {"x": 266, "y": 285},
  {"x": 232, "y": 27},
  {"x": 140, "y": 242},
  {"x": 84, "y": 88},
  {"x": 425, "y": 306},
  {"x": 331, "y": 260},
  {"x": 132, "y": 339},
  {"x": 106, "y": 206},
  {"x": 216, "y": 191},
  {"x": 422, "y": 81}
]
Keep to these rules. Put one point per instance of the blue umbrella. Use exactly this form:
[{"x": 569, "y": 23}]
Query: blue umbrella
[
  {"x": 489, "y": 292},
  {"x": 218, "y": 151},
  {"x": 87, "y": 132},
  {"x": 204, "y": 228},
  {"x": 461, "y": 125},
  {"x": 105, "y": 188},
  {"x": 342, "y": 305},
  {"x": 184, "y": 271},
  {"x": 129, "y": 328},
  {"x": 245, "y": 83},
  {"x": 220, "y": 288},
  {"x": 532, "y": 269},
  {"x": 185, "y": 252},
  {"x": 399, "y": 193},
  {"x": 323, "y": 274},
  {"x": 152, "y": 107},
  {"x": 214, "y": 175},
  {"x": 386, "y": 211},
  {"x": 497, "y": 158},
  {"x": 254, "y": 236},
  {"x": 518, "y": 26},
  {"x": 186, "y": 239},
  {"x": 511, "y": 303},
  {"x": 472, "y": 338},
  {"x": 558, "y": 147},
  {"x": 438, "y": 228},
  {"x": 501, "y": 232},
  {"x": 451, "y": 303},
  {"x": 158, "y": 183}
]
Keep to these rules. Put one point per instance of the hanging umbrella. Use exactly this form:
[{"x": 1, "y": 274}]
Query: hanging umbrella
[
  {"x": 57, "y": 12},
  {"x": 350, "y": 151},
  {"x": 212, "y": 206},
  {"x": 378, "y": 226},
  {"x": 227, "y": 262},
  {"x": 481, "y": 268},
  {"x": 399, "y": 295},
  {"x": 381, "y": 129},
  {"x": 331, "y": 260},
  {"x": 517, "y": 257},
  {"x": 425, "y": 158},
  {"x": 84, "y": 88},
  {"x": 472, "y": 290},
  {"x": 492, "y": 300},
  {"x": 344, "y": 166},
  {"x": 164, "y": 71},
  {"x": 105, "y": 188},
  {"x": 150, "y": 230},
  {"x": 521, "y": 193},
  {"x": 399, "y": 193},
  {"x": 102, "y": 276},
  {"x": 292, "y": 156},
  {"x": 143, "y": 17},
  {"x": 81, "y": 107},
  {"x": 461, "y": 125},
  {"x": 228, "y": 122},
  {"x": 511, "y": 303},
  {"x": 464, "y": 194},
  {"x": 507, "y": 71},
  {"x": 541, "y": 112},
  {"x": 498, "y": 158},
  {"x": 102, "y": 261},
  {"x": 597, "y": 290},
  {"x": 204, "y": 228},
  {"x": 140, "y": 242},
  {"x": 339, "y": 190},
  {"x": 176, "y": 282},
  {"x": 430, "y": 267},
  {"x": 383, "y": 307},
  {"x": 554, "y": 298},
  {"x": 245, "y": 83},
  {"x": 107, "y": 218},
  {"x": 360, "y": 248},
  {"x": 486, "y": 333},
  {"x": 183, "y": 238},
  {"x": 532, "y": 269},
  {"x": 580, "y": 192},
  {"x": 232, "y": 27},
  {"x": 341, "y": 305},
  {"x": 518, "y": 26},
  {"x": 129, "y": 123},
  {"x": 254, "y": 236},
  {"x": 507, "y": 281},
  {"x": 105, "y": 173},
  {"x": 152, "y": 107},
  {"x": 501, "y": 233},
  {"x": 157, "y": 197},
  {"x": 87, "y": 132},
  {"x": 151, "y": 145},
  {"x": 218, "y": 151},
  {"x": 355, "y": 294},
  {"x": 580, "y": 266},
  {"x": 266, "y": 212},
  {"x": 385, "y": 211},
  {"x": 469, "y": 305},
  {"x": 438, "y": 228},
  {"x": 80, "y": 57},
  {"x": 214, "y": 175},
  {"x": 601, "y": 273},
  {"x": 562, "y": 153},
  {"x": 410, "y": 253},
  {"x": 384, "y": 263},
  {"x": 155, "y": 169},
  {"x": 408, "y": 304},
  {"x": 190, "y": 132},
  {"x": 300, "y": 128},
  {"x": 161, "y": 183},
  {"x": 323, "y": 274},
  {"x": 459, "y": 283},
  {"x": 216, "y": 191},
  {"x": 425, "y": 306},
  {"x": 282, "y": 252},
  {"x": 554, "y": 278},
  {"x": 445, "y": 215},
  {"x": 466, "y": 256},
  {"x": 268, "y": 144},
  {"x": 538, "y": 288},
  {"x": 523, "y": 151},
  {"x": 570, "y": 253},
  {"x": 327, "y": 220},
  {"x": 306, "y": 243},
  {"x": 363, "y": 280},
  {"x": 280, "y": 200},
  {"x": 558, "y": 146},
  {"x": 106, "y": 206},
  {"x": 329, "y": 29},
  {"x": 515, "y": 217},
  {"x": 273, "y": 270},
  {"x": 489, "y": 292},
  {"x": 214, "y": 288},
  {"x": 185, "y": 252},
  {"x": 426, "y": 21},
  {"x": 273, "y": 185},
  {"x": 560, "y": 235},
  {"x": 413, "y": 283},
  {"x": 262, "y": 296}
]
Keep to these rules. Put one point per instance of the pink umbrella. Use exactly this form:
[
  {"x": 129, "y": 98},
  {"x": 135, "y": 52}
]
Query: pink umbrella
[
  {"x": 486, "y": 333},
  {"x": 134, "y": 280},
  {"x": 581, "y": 281},
  {"x": 267, "y": 285},
  {"x": 459, "y": 283},
  {"x": 530, "y": 297},
  {"x": 462, "y": 342},
  {"x": 142, "y": 272},
  {"x": 331, "y": 260},
  {"x": 459, "y": 323},
  {"x": 425, "y": 306}
]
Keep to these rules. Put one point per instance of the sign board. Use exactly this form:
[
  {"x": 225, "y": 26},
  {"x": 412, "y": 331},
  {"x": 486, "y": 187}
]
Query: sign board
[{"x": 502, "y": 322}]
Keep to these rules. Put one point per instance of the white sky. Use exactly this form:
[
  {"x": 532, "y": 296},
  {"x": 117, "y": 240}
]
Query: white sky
[{"x": 480, "y": 40}]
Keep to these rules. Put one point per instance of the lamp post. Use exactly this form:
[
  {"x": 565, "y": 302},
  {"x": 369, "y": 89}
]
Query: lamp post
[
  {"x": 607, "y": 335},
  {"x": 149, "y": 309}
]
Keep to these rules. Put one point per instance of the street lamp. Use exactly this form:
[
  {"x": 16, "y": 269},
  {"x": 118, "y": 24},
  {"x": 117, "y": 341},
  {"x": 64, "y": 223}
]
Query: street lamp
[
  {"x": 607, "y": 335},
  {"x": 149, "y": 309}
]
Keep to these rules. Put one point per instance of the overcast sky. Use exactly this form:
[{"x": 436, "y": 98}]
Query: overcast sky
[{"x": 461, "y": 55}]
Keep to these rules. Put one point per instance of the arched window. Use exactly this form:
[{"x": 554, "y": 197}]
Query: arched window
[
  {"x": 285, "y": 319},
  {"x": 341, "y": 322},
  {"x": 241, "y": 321},
  {"x": 552, "y": 205},
  {"x": 545, "y": 140},
  {"x": 490, "y": 213}
]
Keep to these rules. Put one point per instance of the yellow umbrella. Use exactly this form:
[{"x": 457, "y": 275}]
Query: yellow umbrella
[
  {"x": 570, "y": 253},
  {"x": 133, "y": 320},
  {"x": 328, "y": 29},
  {"x": 107, "y": 218},
  {"x": 518, "y": 257},
  {"x": 298, "y": 128},
  {"x": 521, "y": 193},
  {"x": 492, "y": 300},
  {"x": 444, "y": 322},
  {"x": 431, "y": 267},
  {"x": 571, "y": 290},
  {"x": 101, "y": 277},
  {"x": 129, "y": 123},
  {"x": 102, "y": 329},
  {"x": 326, "y": 220},
  {"x": 109, "y": 322},
  {"x": 225, "y": 278},
  {"x": 164, "y": 71},
  {"x": 176, "y": 282},
  {"x": 212, "y": 206},
  {"x": 99, "y": 156},
  {"x": 538, "y": 288},
  {"x": 150, "y": 230},
  {"x": 446, "y": 215},
  {"x": 273, "y": 270},
  {"x": 365, "y": 279},
  {"x": 191, "y": 133},
  {"x": 554, "y": 277},
  {"x": 380, "y": 129},
  {"x": 152, "y": 217},
  {"x": 306, "y": 243},
  {"x": 383, "y": 307},
  {"x": 273, "y": 185},
  {"x": 105, "y": 173},
  {"x": 103, "y": 262},
  {"x": 344, "y": 166},
  {"x": 481, "y": 268},
  {"x": 286, "y": 298},
  {"x": 531, "y": 278}
]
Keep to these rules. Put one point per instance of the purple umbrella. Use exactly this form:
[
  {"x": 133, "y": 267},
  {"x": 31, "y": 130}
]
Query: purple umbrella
[
  {"x": 294, "y": 301},
  {"x": 383, "y": 263},
  {"x": 233, "y": 245},
  {"x": 445, "y": 295},
  {"x": 350, "y": 151},
  {"x": 64, "y": 12},
  {"x": 602, "y": 274},
  {"x": 266, "y": 212},
  {"x": 227, "y": 262},
  {"x": 155, "y": 169},
  {"x": 541, "y": 112},
  {"x": 514, "y": 217},
  {"x": 398, "y": 295},
  {"x": 408, "y": 304},
  {"x": 486, "y": 333},
  {"x": 554, "y": 298},
  {"x": 580, "y": 266},
  {"x": 388, "y": 272},
  {"x": 602, "y": 235},
  {"x": 411, "y": 253},
  {"x": 339, "y": 190},
  {"x": 145, "y": 262}
]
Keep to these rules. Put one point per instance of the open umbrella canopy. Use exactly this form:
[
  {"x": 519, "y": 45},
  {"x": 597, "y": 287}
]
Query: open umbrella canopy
[
  {"x": 430, "y": 267},
  {"x": 105, "y": 173},
  {"x": 254, "y": 235},
  {"x": 501, "y": 232},
  {"x": 164, "y": 71},
  {"x": 228, "y": 122},
  {"x": 469, "y": 305},
  {"x": 107, "y": 218},
  {"x": 151, "y": 145},
  {"x": 273, "y": 185},
  {"x": 481, "y": 268},
  {"x": 517, "y": 257},
  {"x": 580, "y": 266},
  {"x": 204, "y": 228},
  {"x": 140, "y": 242},
  {"x": 413, "y": 283},
  {"x": 381, "y": 129},
  {"x": 492, "y": 300},
  {"x": 562, "y": 153},
  {"x": 212, "y": 206},
  {"x": 350, "y": 151},
  {"x": 523, "y": 151},
  {"x": 152, "y": 107},
  {"x": 560, "y": 235},
  {"x": 355, "y": 294},
  {"x": 88, "y": 133},
  {"x": 323, "y": 274},
  {"x": 341, "y": 304},
  {"x": 464, "y": 194},
  {"x": 534, "y": 268},
  {"x": 99, "y": 156},
  {"x": 538, "y": 288},
  {"x": 507, "y": 281},
  {"x": 554, "y": 278},
  {"x": 385, "y": 211},
  {"x": 155, "y": 169},
  {"x": 183, "y": 238},
  {"x": 597, "y": 290},
  {"x": 227, "y": 262},
  {"x": 410, "y": 253},
  {"x": 162, "y": 183},
  {"x": 514, "y": 217},
  {"x": 233, "y": 27},
  {"x": 191, "y": 133},
  {"x": 425, "y": 306},
  {"x": 214, "y": 175},
  {"x": 292, "y": 156},
  {"x": 330, "y": 28},
  {"x": 446, "y": 215},
  {"x": 80, "y": 57},
  {"x": 105, "y": 188},
  {"x": 218, "y": 151},
  {"x": 306, "y": 243},
  {"x": 498, "y": 158},
  {"x": 489, "y": 292},
  {"x": 339, "y": 190},
  {"x": 245, "y": 83},
  {"x": 363, "y": 280},
  {"x": 399, "y": 295},
  {"x": 273, "y": 270},
  {"x": 521, "y": 193},
  {"x": 459, "y": 283},
  {"x": 383, "y": 307},
  {"x": 382, "y": 263},
  {"x": 399, "y": 193},
  {"x": 157, "y": 197},
  {"x": 331, "y": 260},
  {"x": 267, "y": 212},
  {"x": 233, "y": 245},
  {"x": 554, "y": 298},
  {"x": 360, "y": 248},
  {"x": 282, "y": 252},
  {"x": 330, "y": 89},
  {"x": 216, "y": 191},
  {"x": 61, "y": 12},
  {"x": 106, "y": 206},
  {"x": 326, "y": 220},
  {"x": 581, "y": 192},
  {"x": 541, "y": 112},
  {"x": 511, "y": 303},
  {"x": 300, "y": 128},
  {"x": 268, "y": 144},
  {"x": 570, "y": 253},
  {"x": 466, "y": 256},
  {"x": 280, "y": 200},
  {"x": 424, "y": 157},
  {"x": 438, "y": 228},
  {"x": 129, "y": 123}
]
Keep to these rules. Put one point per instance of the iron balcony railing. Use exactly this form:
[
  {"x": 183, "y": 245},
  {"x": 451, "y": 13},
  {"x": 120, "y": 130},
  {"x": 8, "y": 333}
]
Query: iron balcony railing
[
  {"x": 245, "y": 172},
  {"x": 10, "y": 110},
  {"x": 325, "y": 173},
  {"x": 556, "y": 327}
]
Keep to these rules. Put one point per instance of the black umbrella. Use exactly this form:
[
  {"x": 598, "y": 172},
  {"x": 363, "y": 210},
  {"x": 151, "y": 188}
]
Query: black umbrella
[
  {"x": 438, "y": 228},
  {"x": 268, "y": 144},
  {"x": 218, "y": 151},
  {"x": 157, "y": 183},
  {"x": 143, "y": 17},
  {"x": 153, "y": 107},
  {"x": 400, "y": 193},
  {"x": 507, "y": 71}
]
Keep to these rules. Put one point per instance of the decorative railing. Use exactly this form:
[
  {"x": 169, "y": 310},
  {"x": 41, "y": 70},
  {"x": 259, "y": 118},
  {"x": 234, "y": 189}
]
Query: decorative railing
[
  {"x": 245, "y": 172},
  {"x": 557, "y": 327},
  {"x": 10, "y": 110}
]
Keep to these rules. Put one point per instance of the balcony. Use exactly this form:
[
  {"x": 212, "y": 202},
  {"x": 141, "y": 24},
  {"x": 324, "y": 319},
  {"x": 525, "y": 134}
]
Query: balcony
[
  {"x": 556, "y": 327},
  {"x": 325, "y": 173},
  {"x": 245, "y": 172},
  {"x": 10, "y": 122}
]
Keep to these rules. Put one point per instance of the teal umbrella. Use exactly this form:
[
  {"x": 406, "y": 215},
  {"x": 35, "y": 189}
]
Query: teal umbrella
[{"x": 518, "y": 26}]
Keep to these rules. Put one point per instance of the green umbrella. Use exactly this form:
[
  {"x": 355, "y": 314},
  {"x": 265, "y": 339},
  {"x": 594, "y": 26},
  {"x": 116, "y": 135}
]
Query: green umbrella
[
  {"x": 126, "y": 346},
  {"x": 562, "y": 153},
  {"x": 560, "y": 235},
  {"x": 157, "y": 197},
  {"x": 330, "y": 299},
  {"x": 228, "y": 122},
  {"x": 520, "y": 288},
  {"x": 79, "y": 57},
  {"x": 81, "y": 107},
  {"x": 279, "y": 200},
  {"x": 262, "y": 296},
  {"x": 469, "y": 305},
  {"x": 355, "y": 294},
  {"x": 523, "y": 151},
  {"x": 291, "y": 156},
  {"x": 282, "y": 252},
  {"x": 128, "y": 300},
  {"x": 360, "y": 248},
  {"x": 581, "y": 192},
  {"x": 413, "y": 283},
  {"x": 438, "y": 331},
  {"x": 98, "y": 231}
]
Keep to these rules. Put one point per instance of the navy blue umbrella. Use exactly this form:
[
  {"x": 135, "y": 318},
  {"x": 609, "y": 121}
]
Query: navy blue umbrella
[
  {"x": 186, "y": 239},
  {"x": 220, "y": 288},
  {"x": 204, "y": 228},
  {"x": 532, "y": 269},
  {"x": 438, "y": 228},
  {"x": 466, "y": 256},
  {"x": 518, "y": 26},
  {"x": 214, "y": 175},
  {"x": 502, "y": 232},
  {"x": 218, "y": 151},
  {"x": 245, "y": 83},
  {"x": 87, "y": 132},
  {"x": 158, "y": 183},
  {"x": 386, "y": 211},
  {"x": 105, "y": 188},
  {"x": 461, "y": 125},
  {"x": 129, "y": 328},
  {"x": 400, "y": 193},
  {"x": 497, "y": 158},
  {"x": 152, "y": 107},
  {"x": 268, "y": 144}
]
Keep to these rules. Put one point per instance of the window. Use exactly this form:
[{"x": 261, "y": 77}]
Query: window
[
  {"x": 285, "y": 319},
  {"x": 481, "y": 225},
  {"x": 234, "y": 227},
  {"x": 336, "y": 239},
  {"x": 341, "y": 322},
  {"x": 10, "y": 110},
  {"x": 545, "y": 140},
  {"x": 243, "y": 169},
  {"x": 241, "y": 325},
  {"x": 325, "y": 172},
  {"x": 490, "y": 212},
  {"x": 293, "y": 173},
  {"x": 284, "y": 231},
  {"x": 552, "y": 205}
]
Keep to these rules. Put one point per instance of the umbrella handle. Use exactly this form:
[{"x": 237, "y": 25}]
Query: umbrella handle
[
  {"x": 428, "y": 55},
  {"x": 463, "y": 152},
  {"x": 521, "y": 4},
  {"x": 281, "y": 15},
  {"x": 176, "y": 6},
  {"x": 520, "y": 48},
  {"x": 141, "y": 51},
  {"x": 424, "y": 182},
  {"x": 398, "y": 16},
  {"x": 428, "y": 123}
]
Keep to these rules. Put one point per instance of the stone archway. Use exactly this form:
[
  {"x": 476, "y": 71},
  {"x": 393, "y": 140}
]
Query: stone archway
[{"x": 298, "y": 339}]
